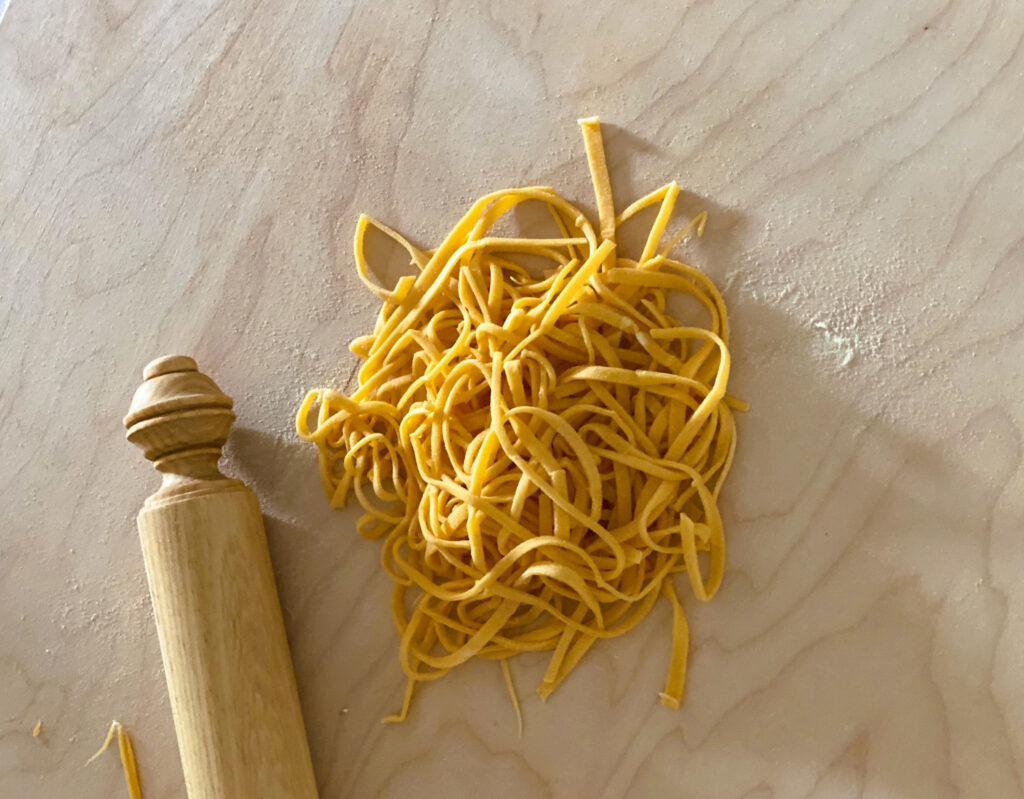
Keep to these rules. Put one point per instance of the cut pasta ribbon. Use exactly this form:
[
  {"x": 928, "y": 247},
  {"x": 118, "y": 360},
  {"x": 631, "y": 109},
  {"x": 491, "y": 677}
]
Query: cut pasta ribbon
[
  {"x": 127, "y": 752},
  {"x": 540, "y": 454}
]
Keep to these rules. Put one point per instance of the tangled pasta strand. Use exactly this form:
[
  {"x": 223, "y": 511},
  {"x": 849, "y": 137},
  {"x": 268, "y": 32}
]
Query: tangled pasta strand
[{"x": 540, "y": 454}]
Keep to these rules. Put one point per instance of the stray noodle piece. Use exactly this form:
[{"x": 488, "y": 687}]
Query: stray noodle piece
[
  {"x": 506, "y": 672},
  {"x": 38, "y": 729},
  {"x": 127, "y": 752},
  {"x": 539, "y": 454}
]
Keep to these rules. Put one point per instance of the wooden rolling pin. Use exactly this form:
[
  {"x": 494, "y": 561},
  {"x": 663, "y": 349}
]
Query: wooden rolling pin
[{"x": 233, "y": 696}]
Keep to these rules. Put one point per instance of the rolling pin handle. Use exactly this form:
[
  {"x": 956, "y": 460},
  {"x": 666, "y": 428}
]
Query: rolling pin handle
[
  {"x": 222, "y": 638},
  {"x": 181, "y": 419}
]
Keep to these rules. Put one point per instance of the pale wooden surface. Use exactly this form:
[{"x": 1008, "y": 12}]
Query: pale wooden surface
[
  {"x": 185, "y": 177},
  {"x": 233, "y": 695}
]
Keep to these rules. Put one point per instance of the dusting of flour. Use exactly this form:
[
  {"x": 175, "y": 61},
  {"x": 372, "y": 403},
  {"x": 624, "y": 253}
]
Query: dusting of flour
[{"x": 850, "y": 310}]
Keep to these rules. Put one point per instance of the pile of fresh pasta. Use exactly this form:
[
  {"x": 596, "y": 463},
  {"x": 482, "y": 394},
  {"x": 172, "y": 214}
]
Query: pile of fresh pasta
[{"x": 541, "y": 451}]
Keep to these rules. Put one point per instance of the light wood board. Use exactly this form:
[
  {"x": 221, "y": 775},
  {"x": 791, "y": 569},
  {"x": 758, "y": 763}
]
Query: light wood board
[{"x": 185, "y": 177}]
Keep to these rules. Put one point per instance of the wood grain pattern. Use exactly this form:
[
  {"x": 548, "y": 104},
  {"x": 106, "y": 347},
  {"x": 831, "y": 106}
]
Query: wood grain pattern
[{"x": 186, "y": 177}]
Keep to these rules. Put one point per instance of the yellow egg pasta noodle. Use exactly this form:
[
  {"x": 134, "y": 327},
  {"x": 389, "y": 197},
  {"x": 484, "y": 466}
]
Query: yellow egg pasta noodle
[
  {"x": 540, "y": 451},
  {"x": 127, "y": 752}
]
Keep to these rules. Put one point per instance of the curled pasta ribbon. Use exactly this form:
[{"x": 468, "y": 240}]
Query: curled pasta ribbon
[{"x": 540, "y": 453}]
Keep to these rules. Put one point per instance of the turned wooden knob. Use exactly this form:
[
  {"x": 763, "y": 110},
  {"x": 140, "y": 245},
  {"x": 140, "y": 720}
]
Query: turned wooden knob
[{"x": 181, "y": 419}]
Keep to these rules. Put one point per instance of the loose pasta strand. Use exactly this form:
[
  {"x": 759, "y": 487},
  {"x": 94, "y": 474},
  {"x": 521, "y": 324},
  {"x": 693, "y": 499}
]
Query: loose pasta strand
[
  {"x": 127, "y": 753},
  {"x": 539, "y": 454}
]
